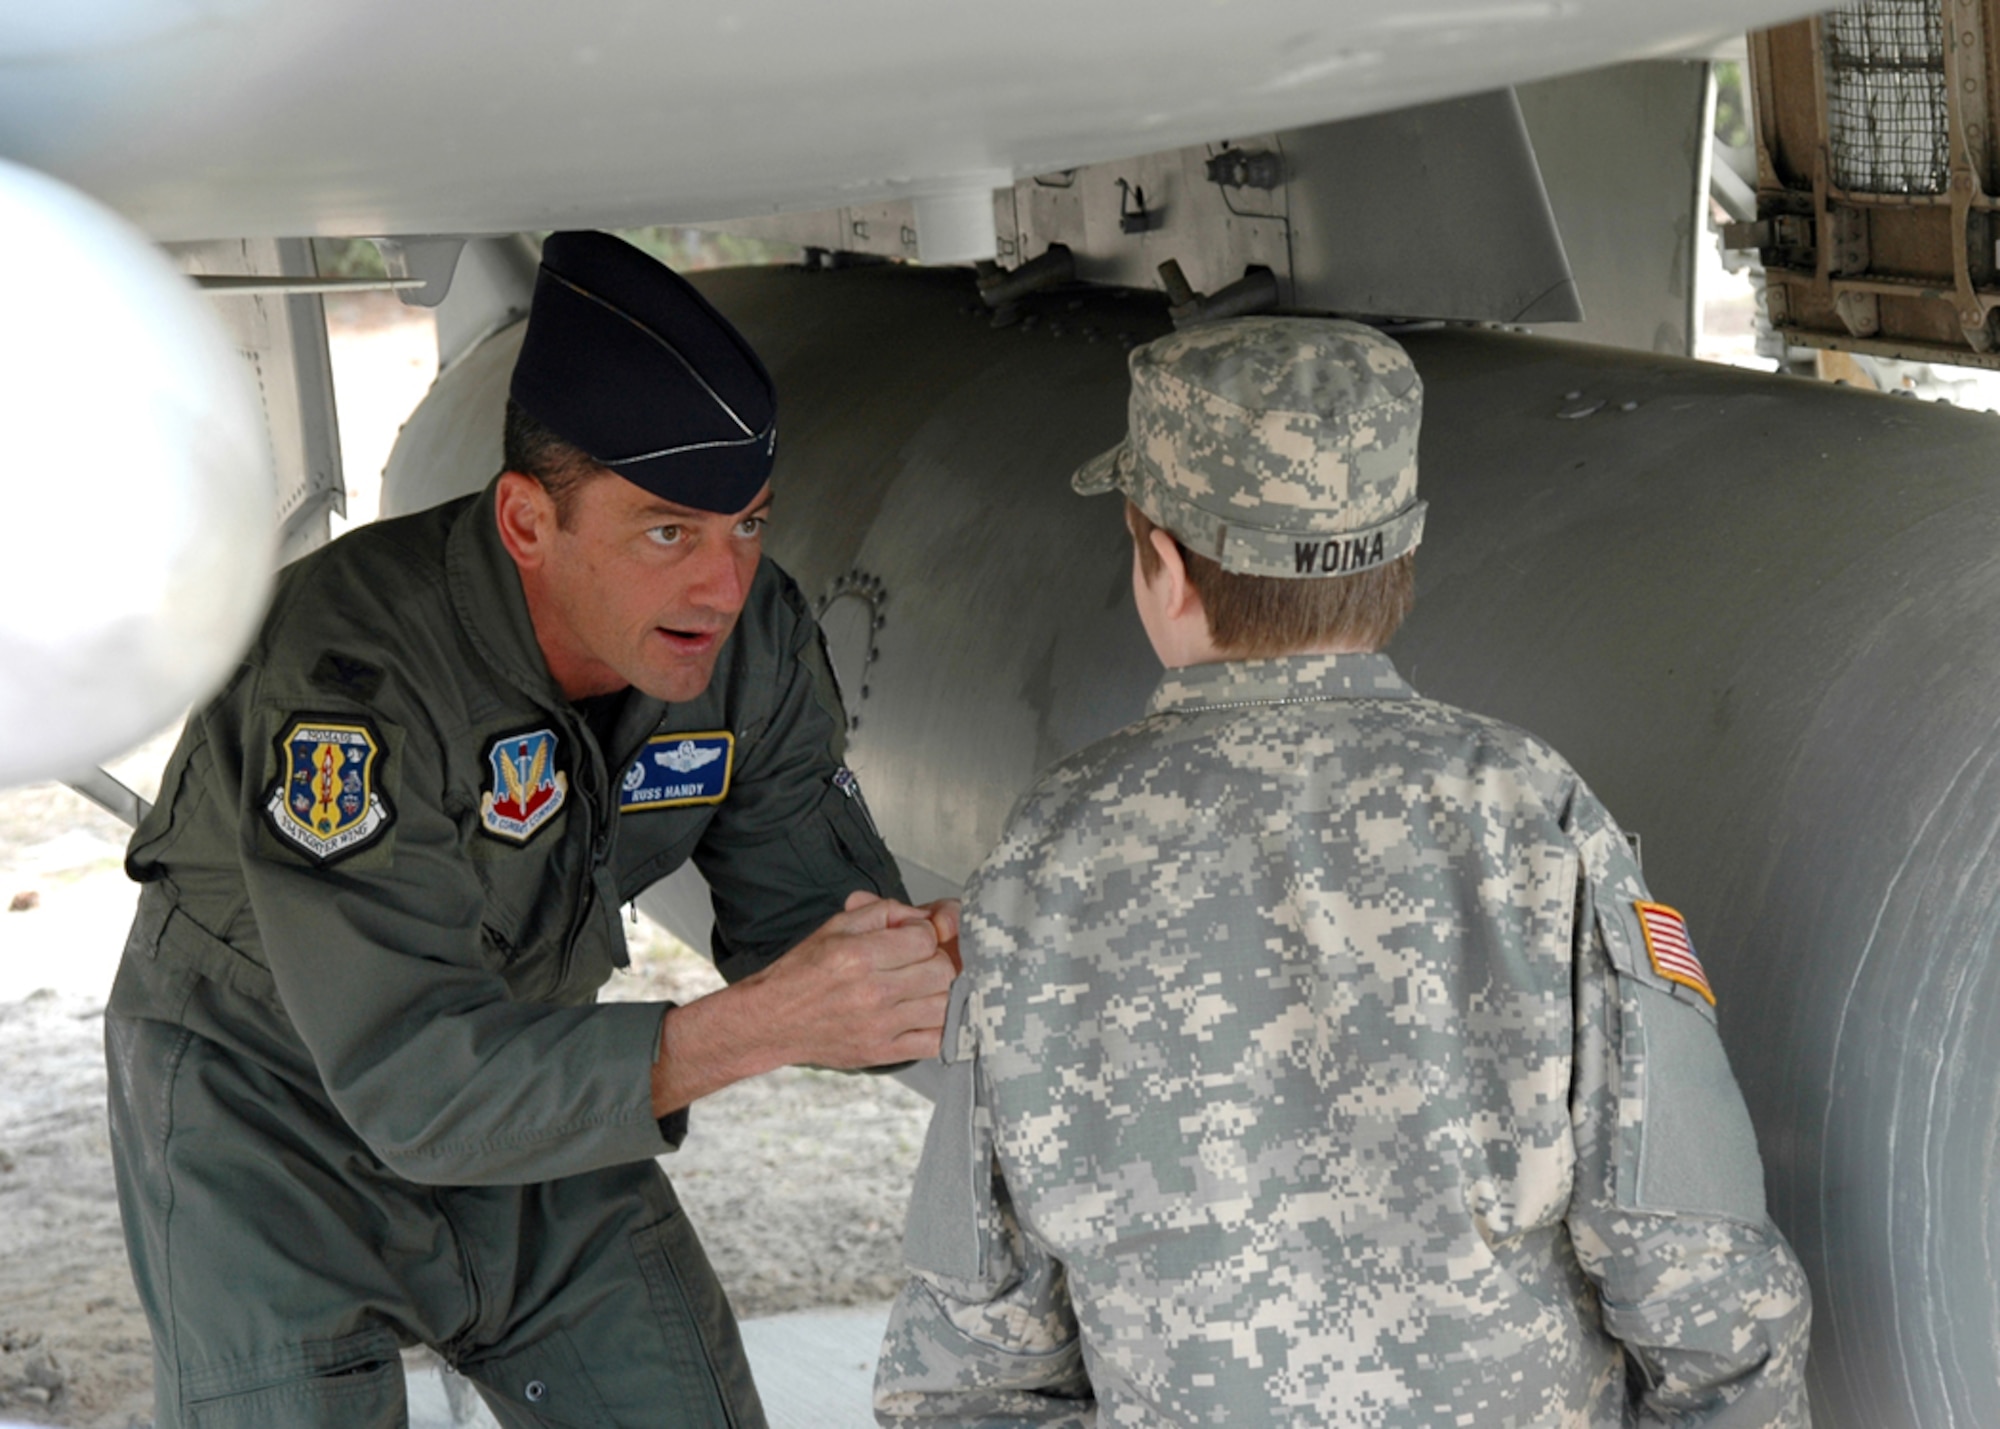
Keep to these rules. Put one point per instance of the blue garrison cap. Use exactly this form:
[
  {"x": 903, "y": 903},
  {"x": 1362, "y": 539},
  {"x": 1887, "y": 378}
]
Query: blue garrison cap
[{"x": 624, "y": 360}]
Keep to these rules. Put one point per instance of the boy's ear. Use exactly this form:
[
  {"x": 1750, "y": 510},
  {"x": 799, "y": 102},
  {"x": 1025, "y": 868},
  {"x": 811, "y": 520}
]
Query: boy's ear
[{"x": 1180, "y": 591}]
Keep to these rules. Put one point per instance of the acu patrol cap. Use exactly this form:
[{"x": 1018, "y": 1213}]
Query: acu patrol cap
[
  {"x": 624, "y": 360},
  {"x": 1274, "y": 446}
]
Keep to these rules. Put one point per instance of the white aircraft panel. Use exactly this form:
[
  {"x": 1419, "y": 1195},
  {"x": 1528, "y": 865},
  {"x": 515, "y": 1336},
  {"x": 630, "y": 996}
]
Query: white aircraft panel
[{"x": 230, "y": 118}]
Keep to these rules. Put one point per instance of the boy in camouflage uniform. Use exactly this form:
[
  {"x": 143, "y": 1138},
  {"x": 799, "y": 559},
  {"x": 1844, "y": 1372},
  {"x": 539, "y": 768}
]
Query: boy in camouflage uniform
[{"x": 1320, "y": 1055}]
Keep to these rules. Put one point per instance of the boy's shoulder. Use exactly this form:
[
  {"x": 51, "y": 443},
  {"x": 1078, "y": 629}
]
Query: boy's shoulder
[
  {"x": 1096, "y": 814},
  {"x": 1164, "y": 752}
]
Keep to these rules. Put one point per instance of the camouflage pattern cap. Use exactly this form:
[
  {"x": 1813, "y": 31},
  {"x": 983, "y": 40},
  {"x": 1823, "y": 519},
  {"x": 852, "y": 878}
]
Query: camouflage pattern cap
[{"x": 1276, "y": 446}]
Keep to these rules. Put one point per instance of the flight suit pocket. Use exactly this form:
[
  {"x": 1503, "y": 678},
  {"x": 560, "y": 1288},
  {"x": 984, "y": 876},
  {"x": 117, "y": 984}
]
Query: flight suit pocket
[
  {"x": 497, "y": 943},
  {"x": 186, "y": 943},
  {"x": 653, "y": 843},
  {"x": 702, "y": 1349},
  {"x": 355, "y": 1382},
  {"x": 838, "y": 844}
]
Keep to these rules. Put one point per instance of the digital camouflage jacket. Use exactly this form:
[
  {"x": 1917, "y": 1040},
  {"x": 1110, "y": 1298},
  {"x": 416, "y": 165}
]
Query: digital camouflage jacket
[{"x": 1321, "y": 1058}]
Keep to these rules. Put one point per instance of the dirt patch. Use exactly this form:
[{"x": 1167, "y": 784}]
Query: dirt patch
[{"x": 73, "y": 1343}]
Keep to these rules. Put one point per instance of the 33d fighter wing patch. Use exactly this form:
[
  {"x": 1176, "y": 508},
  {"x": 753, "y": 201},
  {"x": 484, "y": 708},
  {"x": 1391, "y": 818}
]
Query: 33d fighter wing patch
[
  {"x": 527, "y": 789},
  {"x": 675, "y": 770},
  {"x": 327, "y": 801},
  {"x": 1671, "y": 949}
]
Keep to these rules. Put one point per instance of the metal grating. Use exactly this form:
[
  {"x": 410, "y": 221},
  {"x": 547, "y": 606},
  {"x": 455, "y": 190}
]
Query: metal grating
[{"x": 1888, "y": 127}]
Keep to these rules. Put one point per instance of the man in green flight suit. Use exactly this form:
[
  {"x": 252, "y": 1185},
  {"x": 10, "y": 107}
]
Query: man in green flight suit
[{"x": 361, "y": 1097}]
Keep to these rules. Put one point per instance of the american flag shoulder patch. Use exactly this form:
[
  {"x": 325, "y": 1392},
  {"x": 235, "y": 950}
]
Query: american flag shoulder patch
[{"x": 1670, "y": 947}]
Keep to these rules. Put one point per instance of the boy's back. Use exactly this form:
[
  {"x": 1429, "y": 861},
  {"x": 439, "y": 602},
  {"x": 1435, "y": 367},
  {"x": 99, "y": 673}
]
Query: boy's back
[{"x": 1312, "y": 1060}]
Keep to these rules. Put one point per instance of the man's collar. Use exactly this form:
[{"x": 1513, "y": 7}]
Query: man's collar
[
  {"x": 486, "y": 595},
  {"x": 1284, "y": 680}
]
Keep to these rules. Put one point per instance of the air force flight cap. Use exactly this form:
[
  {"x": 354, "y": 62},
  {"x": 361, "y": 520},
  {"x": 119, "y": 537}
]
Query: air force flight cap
[
  {"x": 1274, "y": 446},
  {"x": 626, "y": 361}
]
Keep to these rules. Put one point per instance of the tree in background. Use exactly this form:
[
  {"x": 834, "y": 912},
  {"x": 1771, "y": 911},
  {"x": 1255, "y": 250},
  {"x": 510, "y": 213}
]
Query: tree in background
[
  {"x": 1732, "y": 106},
  {"x": 684, "y": 249}
]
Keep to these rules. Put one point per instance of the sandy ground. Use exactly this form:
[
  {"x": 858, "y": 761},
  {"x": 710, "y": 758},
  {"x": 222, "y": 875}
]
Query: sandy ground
[
  {"x": 73, "y": 1345},
  {"x": 797, "y": 1181}
]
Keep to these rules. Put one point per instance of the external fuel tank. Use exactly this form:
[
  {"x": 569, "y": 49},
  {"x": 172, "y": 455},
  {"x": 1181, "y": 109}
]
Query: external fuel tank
[{"x": 1760, "y": 615}]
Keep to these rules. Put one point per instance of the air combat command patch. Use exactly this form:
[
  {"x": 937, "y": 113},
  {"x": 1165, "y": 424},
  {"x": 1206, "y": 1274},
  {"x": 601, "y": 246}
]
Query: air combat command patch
[
  {"x": 528, "y": 790},
  {"x": 675, "y": 770},
  {"x": 327, "y": 801}
]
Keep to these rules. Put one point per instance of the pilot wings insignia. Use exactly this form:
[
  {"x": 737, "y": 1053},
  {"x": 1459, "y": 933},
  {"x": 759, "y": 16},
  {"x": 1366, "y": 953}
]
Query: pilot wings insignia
[{"x": 687, "y": 756}]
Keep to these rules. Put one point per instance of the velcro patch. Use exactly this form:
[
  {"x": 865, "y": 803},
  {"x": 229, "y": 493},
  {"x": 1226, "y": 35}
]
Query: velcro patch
[
  {"x": 527, "y": 790},
  {"x": 1670, "y": 947},
  {"x": 676, "y": 770},
  {"x": 327, "y": 801},
  {"x": 345, "y": 675}
]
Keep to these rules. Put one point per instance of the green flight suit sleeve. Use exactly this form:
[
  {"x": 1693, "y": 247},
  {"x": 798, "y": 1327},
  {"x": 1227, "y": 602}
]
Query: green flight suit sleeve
[
  {"x": 1668, "y": 1215},
  {"x": 794, "y": 838},
  {"x": 382, "y": 966}
]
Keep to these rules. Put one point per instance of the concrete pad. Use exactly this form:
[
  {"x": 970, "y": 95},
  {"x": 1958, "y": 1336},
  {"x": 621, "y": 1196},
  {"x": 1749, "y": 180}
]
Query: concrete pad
[{"x": 816, "y": 1369}]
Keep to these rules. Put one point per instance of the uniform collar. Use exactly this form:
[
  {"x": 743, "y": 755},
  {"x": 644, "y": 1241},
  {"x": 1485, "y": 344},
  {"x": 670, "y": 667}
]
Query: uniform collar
[
  {"x": 487, "y": 597},
  {"x": 1289, "y": 679}
]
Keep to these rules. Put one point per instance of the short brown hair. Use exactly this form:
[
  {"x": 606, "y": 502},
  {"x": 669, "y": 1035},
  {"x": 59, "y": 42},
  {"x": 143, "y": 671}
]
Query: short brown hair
[
  {"x": 1254, "y": 617},
  {"x": 561, "y": 467}
]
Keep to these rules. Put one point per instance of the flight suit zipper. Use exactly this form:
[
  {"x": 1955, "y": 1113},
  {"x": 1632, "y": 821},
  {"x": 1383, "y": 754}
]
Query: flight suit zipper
[
  {"x": 586, "y": 904},
  {"x": 597, "y": 844}
]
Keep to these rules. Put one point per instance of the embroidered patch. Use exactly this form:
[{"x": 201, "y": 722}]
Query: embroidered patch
[
  {"x": 1670, "y": 948},
  {"x": 528, "y": 790},
  {"x": 326, "y": 803},
  {"x": 676, "y": 770}
]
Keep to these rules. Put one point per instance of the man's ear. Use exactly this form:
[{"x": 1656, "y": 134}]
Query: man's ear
[
  {"x": 1180, "y": 592},
  {"x": 526, "y": 516}
]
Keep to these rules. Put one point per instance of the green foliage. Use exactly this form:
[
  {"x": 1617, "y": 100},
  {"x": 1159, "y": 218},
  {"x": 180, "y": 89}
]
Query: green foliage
[
  {"x": 688, "y": 249},
  {"x": 348, "y": 258},
  {"x": 1732, "y": 105},
  {"x": 682, "y": 249}
]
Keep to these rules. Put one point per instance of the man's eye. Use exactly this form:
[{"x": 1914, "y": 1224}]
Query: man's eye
[
  {"x": 751, "y": 526},
  {"x": 665, "y": 535}
]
